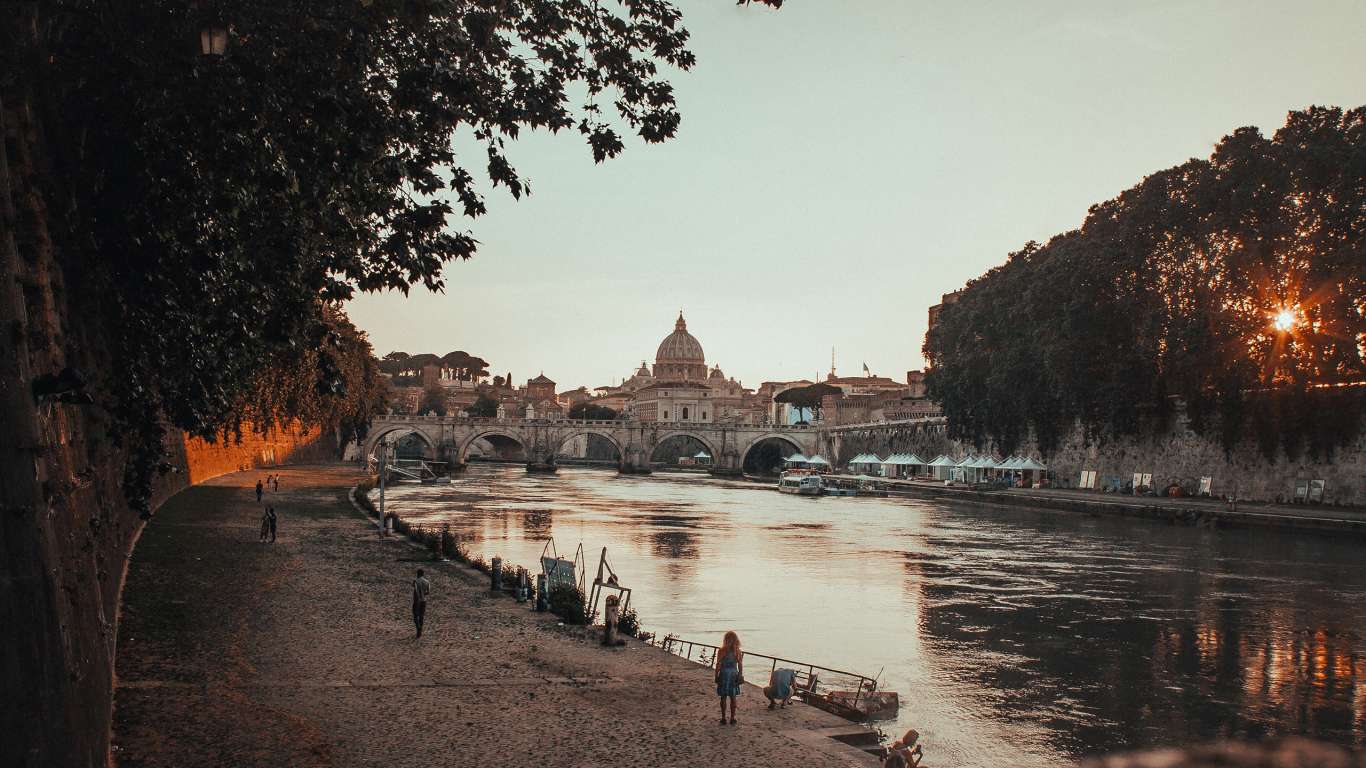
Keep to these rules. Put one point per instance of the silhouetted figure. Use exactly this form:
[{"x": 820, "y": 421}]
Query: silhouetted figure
[
  {"x": 265, "y": 525},
  {"x": 272, "y": 517},
  {"x": 421, "y": 588},
  {"x": 260, "y": 488},
  {"x": 276, "y": 481}
]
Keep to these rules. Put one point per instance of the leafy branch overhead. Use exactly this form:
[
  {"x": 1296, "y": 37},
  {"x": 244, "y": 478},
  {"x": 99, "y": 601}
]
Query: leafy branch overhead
[{"x": 214, "y": 206}]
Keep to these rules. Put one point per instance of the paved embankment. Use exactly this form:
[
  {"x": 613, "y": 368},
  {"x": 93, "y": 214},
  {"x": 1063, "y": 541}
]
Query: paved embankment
[
  {"x": 1193, "y": 511},
  {"x": 233, "y": 652}
]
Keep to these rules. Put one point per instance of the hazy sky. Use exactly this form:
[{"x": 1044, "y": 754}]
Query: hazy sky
[{"x": 842, "y": 163}]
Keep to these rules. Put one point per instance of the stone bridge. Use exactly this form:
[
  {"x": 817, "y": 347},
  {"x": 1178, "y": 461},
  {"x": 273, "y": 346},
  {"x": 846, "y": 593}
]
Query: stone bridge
[{"x": 449, "y": 438}]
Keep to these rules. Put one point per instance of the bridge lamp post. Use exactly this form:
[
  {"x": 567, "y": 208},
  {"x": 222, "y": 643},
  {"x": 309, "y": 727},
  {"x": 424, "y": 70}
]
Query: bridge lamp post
[{"x": 383, "y": 471}]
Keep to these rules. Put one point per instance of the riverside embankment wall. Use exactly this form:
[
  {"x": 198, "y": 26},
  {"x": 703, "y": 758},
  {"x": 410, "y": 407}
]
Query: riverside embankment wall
[
  {"x": 63, "y": 570},
  {"x": 1172, "y": 454}
]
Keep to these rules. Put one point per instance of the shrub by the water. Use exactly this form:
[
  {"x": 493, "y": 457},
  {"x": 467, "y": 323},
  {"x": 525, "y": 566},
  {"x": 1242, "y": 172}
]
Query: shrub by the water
[
  {"x": 567, "y": 602},
  {"x": 628, "y": 623}
]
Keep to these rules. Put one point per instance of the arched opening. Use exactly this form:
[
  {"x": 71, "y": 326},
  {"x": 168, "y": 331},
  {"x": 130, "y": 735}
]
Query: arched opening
[
  {"x": 765, "y": 457},
  {"x": 683, "y": 451},
  {"x": 403, "y": 444},
  {"x": 589, "y": 448},
  {"x": 495, "y": 447}
]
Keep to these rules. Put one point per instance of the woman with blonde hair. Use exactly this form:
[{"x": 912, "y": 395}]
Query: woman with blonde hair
[{"x": 730, "y": 673}]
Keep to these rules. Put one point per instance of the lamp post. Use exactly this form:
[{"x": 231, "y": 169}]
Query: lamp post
[
  {"x": 383, "y": 471},
  {"x": 213, "y": 40}
]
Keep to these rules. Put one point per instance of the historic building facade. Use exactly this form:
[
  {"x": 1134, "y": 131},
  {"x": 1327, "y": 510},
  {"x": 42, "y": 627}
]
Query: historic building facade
[{"x": 682, "y": 388}]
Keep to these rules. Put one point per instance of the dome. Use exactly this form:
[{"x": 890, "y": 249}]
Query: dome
[
  {"x": 680, "y": 346},
  {"x": 716, "y": 373}
]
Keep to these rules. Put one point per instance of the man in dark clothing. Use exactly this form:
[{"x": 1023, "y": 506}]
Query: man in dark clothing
[
  {"x": 421, "y": 588},
  {"x": 276, "y": 481},
  {"x": 270, "y": 515},
  {"x": 259, "y": 488}
]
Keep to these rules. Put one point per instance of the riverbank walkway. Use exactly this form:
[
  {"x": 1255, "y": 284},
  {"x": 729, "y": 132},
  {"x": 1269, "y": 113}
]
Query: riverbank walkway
[{"x": 301, "y": 653}]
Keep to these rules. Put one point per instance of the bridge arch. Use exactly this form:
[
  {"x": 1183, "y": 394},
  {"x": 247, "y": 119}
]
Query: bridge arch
[
  {"x": 606, "y": 434},
  {"x": 398, "y": 432},
  {"x": 709, "y": 445},
  {"x": 514, "y": 435},
  {"x": 779, "y": 436}
]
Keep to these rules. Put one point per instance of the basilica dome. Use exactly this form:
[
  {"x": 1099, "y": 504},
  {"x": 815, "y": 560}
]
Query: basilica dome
[
  {"x": 680, "y": 346},
  {"x": 679, "y": 357}
]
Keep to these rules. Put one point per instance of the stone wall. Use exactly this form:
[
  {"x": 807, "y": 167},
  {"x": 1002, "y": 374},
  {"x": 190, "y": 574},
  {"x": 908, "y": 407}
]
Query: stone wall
[
  {"x": 1172, "y": 455},
  {"x": 1179, "y": 455},
  {"x": 293, "y": 443}
]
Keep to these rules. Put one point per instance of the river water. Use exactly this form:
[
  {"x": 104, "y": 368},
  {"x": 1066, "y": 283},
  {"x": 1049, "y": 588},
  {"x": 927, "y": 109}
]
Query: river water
[{"x": 1013, "y": 636}]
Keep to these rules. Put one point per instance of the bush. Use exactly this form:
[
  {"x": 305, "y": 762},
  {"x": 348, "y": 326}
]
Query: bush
[
  {"x": 628, "y": 623},
  {"x": 567, "y": 602}
]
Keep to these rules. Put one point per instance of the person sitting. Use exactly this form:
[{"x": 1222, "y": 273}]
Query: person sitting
[
  {"x": 782, "y": 683},
  {"x": 904, "y": 752}
]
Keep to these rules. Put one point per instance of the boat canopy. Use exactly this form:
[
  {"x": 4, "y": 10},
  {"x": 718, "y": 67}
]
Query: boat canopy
[
  {"x": 702, "y": 455},
  {"x": 865, "y": 458},
  {"x": 1031, "y": 464},
  {"x": 943, "y": 461},
  {"x": 966, "y": 462},
  {"x": 985, "y": 462},
  {"x": 796, "y": 458},
  {"x": 818, "y": 460}
]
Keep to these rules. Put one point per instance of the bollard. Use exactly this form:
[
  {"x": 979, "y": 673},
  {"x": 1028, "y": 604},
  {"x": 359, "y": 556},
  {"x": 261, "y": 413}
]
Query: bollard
[
  {"x": 522, "y": 585},
  {"x": 496, "y": 572},
  {"x": 609, "y": 621},
  {"x": 542, "y": 593}
]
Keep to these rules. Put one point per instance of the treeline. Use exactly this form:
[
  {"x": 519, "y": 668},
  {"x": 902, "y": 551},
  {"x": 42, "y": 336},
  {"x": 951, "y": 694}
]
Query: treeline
[{"x": 1235, "y": 286}]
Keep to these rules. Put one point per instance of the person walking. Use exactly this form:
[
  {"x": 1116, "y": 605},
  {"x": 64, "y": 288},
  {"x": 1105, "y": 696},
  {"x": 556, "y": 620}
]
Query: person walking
[
  {"x": 272, "y": 517},
  {"x": 260, "y": 488},
  {"x": 730, "y": 673},
  {"x": 276, "y": 481},
  {"x": 421, "y": 589},
  {"x": 265, "y": 525}
]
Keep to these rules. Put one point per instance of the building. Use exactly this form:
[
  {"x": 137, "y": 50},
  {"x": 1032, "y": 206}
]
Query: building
[
  {"x": 915, "y": 383},
  {"x": 944, "y": 301},
  {"x": 682, "y": 388},
  {"x": 540, "y": 388}
]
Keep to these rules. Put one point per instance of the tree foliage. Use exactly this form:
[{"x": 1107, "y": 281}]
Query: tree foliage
[
  {"x": 593, "y": 411},
  {"x": 1173, "y": 290},
  {"x": 213, "y": 207},
  {"x": 485, "y": 407}
]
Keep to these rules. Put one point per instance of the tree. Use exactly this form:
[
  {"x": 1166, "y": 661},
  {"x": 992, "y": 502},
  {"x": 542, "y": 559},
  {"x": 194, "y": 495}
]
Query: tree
[
  {"x": 485, "y": 407},
  {"x": 593, "y": 411},
  {"x": 1233, "y": 283},
  {"x": 173, "y": 221},
  {"x": 807, "y": 398},
  {"x": 433, "y": 400}
]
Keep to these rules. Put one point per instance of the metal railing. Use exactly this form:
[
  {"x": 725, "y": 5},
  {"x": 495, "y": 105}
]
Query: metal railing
[{"x": 807, "y": 681}]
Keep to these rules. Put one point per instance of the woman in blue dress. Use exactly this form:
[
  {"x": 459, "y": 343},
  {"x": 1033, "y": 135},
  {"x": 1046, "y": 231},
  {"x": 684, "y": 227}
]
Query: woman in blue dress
[{"x": 730, "y": 673}]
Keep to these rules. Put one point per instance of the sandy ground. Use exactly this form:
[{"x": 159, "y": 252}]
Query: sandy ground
[{"x": 301, "y": 653}]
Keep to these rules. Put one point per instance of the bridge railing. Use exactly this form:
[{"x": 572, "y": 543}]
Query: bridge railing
[{"x": 606, "y": 423}]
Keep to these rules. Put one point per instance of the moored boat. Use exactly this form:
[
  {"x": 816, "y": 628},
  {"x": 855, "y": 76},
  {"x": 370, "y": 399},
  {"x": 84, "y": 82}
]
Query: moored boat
[{"x": 802, "y": 482}]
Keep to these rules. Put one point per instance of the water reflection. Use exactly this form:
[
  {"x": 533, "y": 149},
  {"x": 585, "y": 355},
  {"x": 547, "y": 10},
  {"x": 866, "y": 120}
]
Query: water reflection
[{"x": 1014, "y": 636}]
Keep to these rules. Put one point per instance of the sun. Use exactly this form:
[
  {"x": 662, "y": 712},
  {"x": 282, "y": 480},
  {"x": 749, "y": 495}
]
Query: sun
[{"x": 1284, "y": 320}]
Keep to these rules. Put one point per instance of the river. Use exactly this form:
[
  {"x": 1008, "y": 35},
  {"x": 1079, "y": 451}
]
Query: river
[{"x": 1013, "y": 636}]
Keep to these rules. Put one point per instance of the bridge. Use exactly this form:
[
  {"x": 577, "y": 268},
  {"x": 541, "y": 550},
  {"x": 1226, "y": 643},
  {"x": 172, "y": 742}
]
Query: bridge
[{"x": 543, "y": 441}]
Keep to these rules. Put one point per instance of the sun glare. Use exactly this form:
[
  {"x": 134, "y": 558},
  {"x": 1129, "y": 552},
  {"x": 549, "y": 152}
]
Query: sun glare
[{"x": 1284, "y": 320}]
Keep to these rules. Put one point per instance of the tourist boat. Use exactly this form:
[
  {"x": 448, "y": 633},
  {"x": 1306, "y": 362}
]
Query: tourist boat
[{"x": 802, "y": 482}]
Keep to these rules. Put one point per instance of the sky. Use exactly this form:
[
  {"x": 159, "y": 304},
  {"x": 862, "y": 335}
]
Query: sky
[{"x": 843, "y": 163}]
